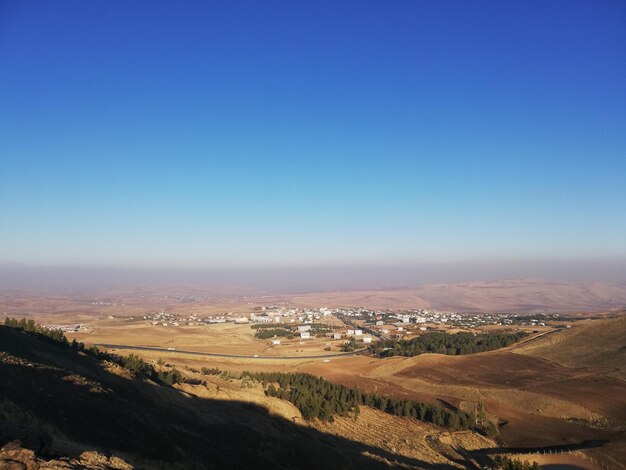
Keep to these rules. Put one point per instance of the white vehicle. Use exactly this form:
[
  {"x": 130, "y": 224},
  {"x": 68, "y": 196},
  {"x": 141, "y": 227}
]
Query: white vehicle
[{"x": 171, "y": 349}]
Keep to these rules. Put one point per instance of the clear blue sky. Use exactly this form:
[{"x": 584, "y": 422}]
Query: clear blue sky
[{"x": 236, "y": 134}]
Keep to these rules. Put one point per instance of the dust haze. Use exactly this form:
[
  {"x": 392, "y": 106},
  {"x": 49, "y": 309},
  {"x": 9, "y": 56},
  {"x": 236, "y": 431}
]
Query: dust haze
[{"x": 287, "y": 280}]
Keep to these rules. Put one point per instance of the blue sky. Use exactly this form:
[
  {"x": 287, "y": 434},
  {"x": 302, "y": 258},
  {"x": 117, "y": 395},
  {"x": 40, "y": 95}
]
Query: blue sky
[{"x": 260, "y": 134}]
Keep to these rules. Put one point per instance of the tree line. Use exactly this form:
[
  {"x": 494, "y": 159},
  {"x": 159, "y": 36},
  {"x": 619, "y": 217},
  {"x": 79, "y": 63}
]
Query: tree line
[
  {"x": 133, "y": 363},
  {"x": 49, "y": 335},
  {"x": 505, "y": 463},
  {"x": 270, "y": 333},
  {"x": 266, "y": 325},
  {"x": 270, "y": 330},
  {"x": 444, "y": 343},
  {"x": 351, "y": 345},
  {"x": 317, "y": 398}
]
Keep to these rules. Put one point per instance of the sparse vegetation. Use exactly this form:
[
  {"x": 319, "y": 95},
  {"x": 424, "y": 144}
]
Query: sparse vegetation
[
  {"x": 351, "y": 345},
  {"x": 444, "y": 343},
  {"x": 505, "y": 463}
]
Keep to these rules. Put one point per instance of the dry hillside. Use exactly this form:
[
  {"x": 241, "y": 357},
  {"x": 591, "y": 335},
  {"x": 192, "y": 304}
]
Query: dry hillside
[
  {"x": 60, "y": 408},
  {"x": 591, "y": 343}
]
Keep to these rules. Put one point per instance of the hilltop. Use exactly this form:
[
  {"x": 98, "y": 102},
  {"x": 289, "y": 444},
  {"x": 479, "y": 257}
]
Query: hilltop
[{"x": 592, "y": 343}]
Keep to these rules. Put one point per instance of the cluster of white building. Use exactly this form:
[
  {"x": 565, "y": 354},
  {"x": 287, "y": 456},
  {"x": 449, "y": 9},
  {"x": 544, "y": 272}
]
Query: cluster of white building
[
  {"x": 162, "y": 318},
  {"x": 71, "y": 328},
  {"x": 265, "y": 318}
]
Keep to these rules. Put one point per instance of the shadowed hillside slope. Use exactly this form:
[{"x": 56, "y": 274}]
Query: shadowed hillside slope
[{"x": 61, "y": 404}]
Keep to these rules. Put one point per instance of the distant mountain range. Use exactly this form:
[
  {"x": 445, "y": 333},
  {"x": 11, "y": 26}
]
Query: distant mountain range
[{"x": 483, "y": 296}]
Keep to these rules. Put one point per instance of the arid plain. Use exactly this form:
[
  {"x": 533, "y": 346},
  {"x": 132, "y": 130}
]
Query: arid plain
[{"x": 560, "y": 388}]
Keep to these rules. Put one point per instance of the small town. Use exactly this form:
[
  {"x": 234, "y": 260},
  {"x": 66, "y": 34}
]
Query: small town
[{"x": 360, "y": 325}]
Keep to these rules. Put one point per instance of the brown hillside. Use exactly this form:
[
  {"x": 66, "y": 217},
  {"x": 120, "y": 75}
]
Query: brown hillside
[
  {"x": 591, "y": 343},
  {"x": 68, "y": 409}
]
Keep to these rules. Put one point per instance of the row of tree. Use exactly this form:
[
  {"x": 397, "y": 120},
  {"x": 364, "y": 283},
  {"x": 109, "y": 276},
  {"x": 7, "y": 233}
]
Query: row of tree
[
  {"x": 260, "y": 326},
  {"x": 444, "y": 343},
  {"x": 505, "y": 463},
  {"x": 318, "y": 398},
  {"x": 270, "y": 333},
  {"x": 143, "y": 369},
  {"x": 51, "y": 335},
  {"x": 29, "y": 326},
  {"x": 133, "y": 363},
  {"x": 351, "y": 345}
]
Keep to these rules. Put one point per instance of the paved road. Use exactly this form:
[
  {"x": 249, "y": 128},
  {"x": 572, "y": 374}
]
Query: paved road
[{"x": 236, "y": 356}]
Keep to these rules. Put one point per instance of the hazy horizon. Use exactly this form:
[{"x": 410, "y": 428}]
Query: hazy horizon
[{"x": 285, "y": 280}]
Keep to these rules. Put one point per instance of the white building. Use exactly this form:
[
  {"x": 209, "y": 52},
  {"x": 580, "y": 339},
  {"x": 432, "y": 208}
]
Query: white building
[
  {"x": 276, "y": 342},
  {"x": 261, "y": 318},
  {"x": 358, "y": 332},
  {"x": 367, "y": 339},
  {"x": 305, "y": 335},
  {"x": 336, "y": 335},
  {"x": 302, "y": 328}
]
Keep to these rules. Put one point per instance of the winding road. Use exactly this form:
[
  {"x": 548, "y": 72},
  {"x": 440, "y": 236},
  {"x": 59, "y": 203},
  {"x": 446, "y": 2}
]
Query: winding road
[{"x": 233, "y": 356}]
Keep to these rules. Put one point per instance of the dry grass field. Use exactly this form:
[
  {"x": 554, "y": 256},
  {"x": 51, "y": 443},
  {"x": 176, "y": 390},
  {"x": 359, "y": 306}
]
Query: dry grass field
[
  {"x": 98, "y": 305},
  {"x": 476, "y": 296},
  {"x": 593, "y": 343},
  {"x": 559, "y": 387},
  {"x": 226, "y": 338},
  {"x": 539, "y": 402}
]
